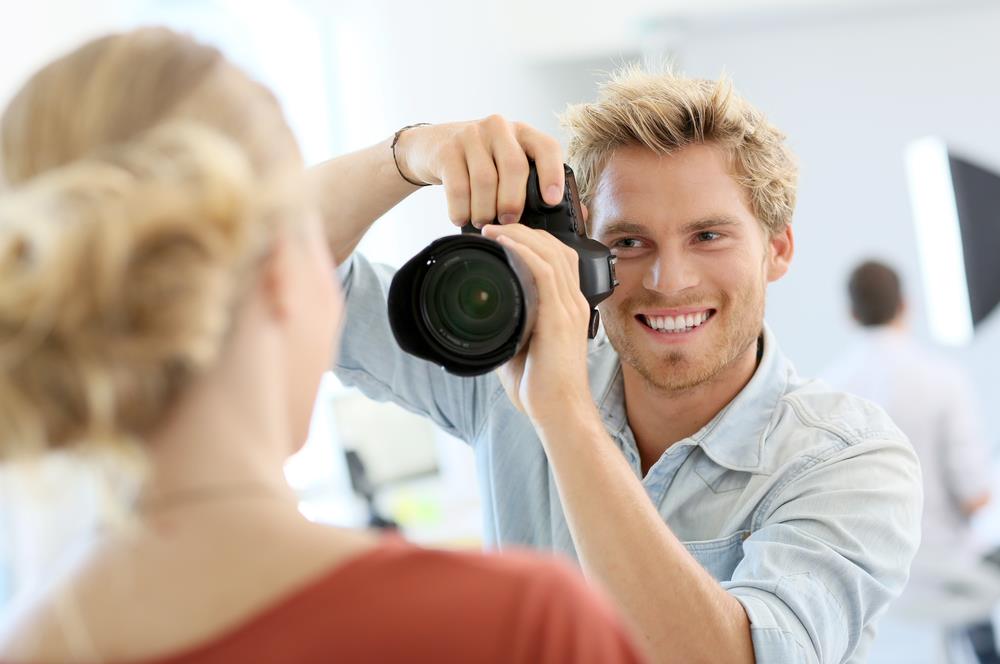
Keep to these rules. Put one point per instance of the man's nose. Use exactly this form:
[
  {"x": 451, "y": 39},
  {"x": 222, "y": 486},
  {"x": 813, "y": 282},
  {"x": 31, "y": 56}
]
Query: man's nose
[{"x": 671, "y": 272}]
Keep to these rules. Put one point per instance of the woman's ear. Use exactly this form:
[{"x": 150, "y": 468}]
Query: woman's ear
[{"x": 275, "y": 279}]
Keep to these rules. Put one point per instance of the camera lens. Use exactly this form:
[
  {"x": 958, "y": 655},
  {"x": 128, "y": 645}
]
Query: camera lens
[
  {"x": 468, "y": 305},
  {"x": 470, "y": 301},
  {"x": 478, "y": 299}
]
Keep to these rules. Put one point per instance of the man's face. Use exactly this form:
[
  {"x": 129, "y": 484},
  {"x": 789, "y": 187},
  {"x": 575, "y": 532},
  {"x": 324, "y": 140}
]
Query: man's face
[{"x": 693, "y": 264}]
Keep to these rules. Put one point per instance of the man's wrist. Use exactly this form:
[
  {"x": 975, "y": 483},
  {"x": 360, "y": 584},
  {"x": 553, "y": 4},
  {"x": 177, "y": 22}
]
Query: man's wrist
[
  {"x": 576, "y": 416},
  {"x": 399, "y": 154}
]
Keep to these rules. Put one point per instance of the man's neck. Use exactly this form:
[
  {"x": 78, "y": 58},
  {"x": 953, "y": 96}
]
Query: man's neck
[{"x": 659, "y": 418}]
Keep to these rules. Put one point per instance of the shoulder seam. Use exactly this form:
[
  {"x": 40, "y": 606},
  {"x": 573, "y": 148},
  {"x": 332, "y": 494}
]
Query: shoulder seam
[
  {"x": 849, "y": 438},
  {"x": 490, "y": 405}
]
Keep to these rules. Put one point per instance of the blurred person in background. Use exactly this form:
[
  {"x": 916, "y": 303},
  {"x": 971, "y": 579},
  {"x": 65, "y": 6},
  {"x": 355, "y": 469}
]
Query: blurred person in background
[
  {"x": 167, "y": 295},
  {"x": 735, "y": 511},
  {"x": 933, "y": 402}
]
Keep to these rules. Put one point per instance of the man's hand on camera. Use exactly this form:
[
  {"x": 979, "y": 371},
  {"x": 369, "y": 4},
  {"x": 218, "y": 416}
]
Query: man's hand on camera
[
  {"x": 550, "y": 375},
  {"x": 483, "y": 166}
]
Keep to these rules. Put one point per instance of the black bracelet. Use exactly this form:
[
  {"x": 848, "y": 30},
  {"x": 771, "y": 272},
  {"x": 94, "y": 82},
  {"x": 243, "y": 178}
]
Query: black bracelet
[{"x": 395, "y": 139}]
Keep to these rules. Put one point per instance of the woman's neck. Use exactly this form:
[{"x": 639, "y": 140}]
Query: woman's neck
[{"x": 228, "y": 431}]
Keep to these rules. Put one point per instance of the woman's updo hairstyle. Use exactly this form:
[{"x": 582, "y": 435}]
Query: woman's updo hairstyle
[{"x": 145, "y": 178}]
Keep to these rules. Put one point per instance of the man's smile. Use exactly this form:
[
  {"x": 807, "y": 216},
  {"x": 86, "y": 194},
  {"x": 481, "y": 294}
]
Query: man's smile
[{"x": 675, "y": 324}]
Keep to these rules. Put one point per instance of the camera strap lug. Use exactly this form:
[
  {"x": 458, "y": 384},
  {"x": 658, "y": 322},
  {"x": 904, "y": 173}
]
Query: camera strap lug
[{"x": 595, "y": 322}]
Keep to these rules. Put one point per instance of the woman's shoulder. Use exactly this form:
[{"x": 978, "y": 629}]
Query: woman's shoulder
[
  {"x": 409, "y": 574},
  {"x": 400, "y": 602},
  {"x": 396, "y": 601},
  {"x": 471, "y": 606}
]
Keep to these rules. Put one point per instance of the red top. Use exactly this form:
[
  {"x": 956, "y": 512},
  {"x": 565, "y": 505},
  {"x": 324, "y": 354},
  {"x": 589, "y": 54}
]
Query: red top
[{"x": 400, "y": 603}]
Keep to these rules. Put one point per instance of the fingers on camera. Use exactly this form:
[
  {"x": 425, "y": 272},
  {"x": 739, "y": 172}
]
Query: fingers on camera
[
  {"x": 456, "y": 190},
  {"x": 512, "y": 163},
  {"x": 483, "y": 180},
  {"x": 487, "y": 179},
  {"x": 547, "y": 154}
]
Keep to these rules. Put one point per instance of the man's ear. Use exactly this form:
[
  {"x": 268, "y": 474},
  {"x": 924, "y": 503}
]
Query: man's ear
[{"x": 781, "y": 247}]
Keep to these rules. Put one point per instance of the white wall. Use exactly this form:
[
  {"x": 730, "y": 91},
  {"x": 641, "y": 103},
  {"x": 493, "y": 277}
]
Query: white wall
[{"x": 34, "y": 33}]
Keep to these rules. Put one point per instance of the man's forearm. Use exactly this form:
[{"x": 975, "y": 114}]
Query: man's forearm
[
  {"x": 679, "y": 610},
  {"x": 353, "y": 191}
]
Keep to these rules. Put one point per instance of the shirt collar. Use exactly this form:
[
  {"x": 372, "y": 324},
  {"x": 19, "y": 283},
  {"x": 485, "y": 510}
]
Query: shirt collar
[{"x": 735, "y": 437}]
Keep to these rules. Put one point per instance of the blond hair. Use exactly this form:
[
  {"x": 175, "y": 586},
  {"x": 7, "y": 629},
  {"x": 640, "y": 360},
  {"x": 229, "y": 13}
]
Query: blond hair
[
  {"x": 664, "y": 113},
  {"x": 147, "y": 179}
]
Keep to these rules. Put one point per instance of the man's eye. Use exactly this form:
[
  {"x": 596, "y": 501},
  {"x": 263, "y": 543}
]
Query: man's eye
[
  {"x": 628, "y": 243},
  {"x": 708, "y": 236}
]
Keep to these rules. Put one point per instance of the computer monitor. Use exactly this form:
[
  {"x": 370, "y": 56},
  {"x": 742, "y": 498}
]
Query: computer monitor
[{"x": 956, "y": 209}]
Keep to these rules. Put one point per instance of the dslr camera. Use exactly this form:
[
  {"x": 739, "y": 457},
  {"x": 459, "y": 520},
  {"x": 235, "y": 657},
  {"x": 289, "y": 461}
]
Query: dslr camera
[{"x": 468, "y": 304}]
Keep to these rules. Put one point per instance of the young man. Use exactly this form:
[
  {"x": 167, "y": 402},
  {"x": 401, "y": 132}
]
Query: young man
[
  {"x": 733, "y": 510},
  {"x": 934, "y": 403}
]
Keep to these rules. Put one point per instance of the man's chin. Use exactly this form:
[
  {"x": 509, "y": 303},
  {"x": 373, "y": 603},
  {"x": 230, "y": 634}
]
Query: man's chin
[
  {"x": 672, "y": 374},
  {"x": 670, "y": 369}
]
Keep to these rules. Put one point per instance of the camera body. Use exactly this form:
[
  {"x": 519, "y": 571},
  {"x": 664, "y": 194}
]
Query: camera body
[{"x": 468, "y": 304}]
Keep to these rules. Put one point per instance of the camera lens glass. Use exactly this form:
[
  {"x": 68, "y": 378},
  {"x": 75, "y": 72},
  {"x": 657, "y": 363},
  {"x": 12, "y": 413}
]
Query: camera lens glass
[
  {"x": 478, "y": 300},
  {"x": 470, "y": 301}
]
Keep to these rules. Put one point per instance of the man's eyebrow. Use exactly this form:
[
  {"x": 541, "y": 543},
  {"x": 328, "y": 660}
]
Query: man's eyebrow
[
  {"x": 707, "y": 223},
  {"x": 632, "y": 228},
  {"x": 624, "y": 228}
]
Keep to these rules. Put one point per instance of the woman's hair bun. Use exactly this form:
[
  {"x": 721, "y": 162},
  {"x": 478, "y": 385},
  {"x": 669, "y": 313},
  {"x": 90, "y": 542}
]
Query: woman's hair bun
[{"x": 119, "y": 274}]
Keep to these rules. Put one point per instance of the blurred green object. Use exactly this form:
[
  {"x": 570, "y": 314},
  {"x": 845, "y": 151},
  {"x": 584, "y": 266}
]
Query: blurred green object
[{"x": 411, "y": 508}]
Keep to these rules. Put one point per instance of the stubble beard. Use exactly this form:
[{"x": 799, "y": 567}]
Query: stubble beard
[{"x": 678, "y": 371}]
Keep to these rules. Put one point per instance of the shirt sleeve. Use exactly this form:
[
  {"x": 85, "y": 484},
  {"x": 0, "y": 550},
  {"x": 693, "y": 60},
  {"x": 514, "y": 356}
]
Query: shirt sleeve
[
  {"x": 829, "y": 552},
  {"x": 371, "y": 360},
  {"x": 963, "y": 447}
]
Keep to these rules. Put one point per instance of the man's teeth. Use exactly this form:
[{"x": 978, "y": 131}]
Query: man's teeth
[{"x": 676, "y": 323}]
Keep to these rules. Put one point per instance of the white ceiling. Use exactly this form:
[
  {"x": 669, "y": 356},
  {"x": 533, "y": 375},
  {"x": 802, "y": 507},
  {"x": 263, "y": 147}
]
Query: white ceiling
[{"x": 567, "y": 29}]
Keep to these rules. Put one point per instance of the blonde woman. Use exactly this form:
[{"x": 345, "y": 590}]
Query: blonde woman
[{"x": 166, "y": 287}]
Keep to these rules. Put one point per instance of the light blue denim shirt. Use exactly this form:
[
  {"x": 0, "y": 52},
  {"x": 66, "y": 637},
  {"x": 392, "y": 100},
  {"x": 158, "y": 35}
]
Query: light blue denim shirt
[{"x": 803, "y": 502}]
